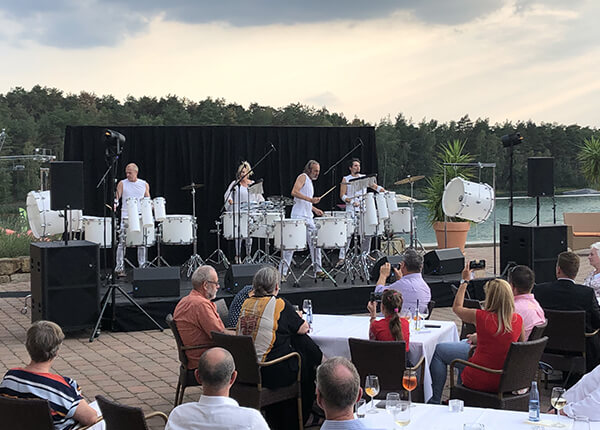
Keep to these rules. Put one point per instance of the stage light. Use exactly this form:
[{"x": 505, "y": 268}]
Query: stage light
[{"x": 512, "y": 139}]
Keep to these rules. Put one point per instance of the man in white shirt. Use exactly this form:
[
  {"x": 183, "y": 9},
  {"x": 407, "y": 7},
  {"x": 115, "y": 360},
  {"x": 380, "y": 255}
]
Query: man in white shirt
[
  {"x": 583, "y": 398},
  {"x": 215, "y": 410}
]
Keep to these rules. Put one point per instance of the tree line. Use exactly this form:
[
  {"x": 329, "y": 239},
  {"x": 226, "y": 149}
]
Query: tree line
[{"x": 37, "y": 119}]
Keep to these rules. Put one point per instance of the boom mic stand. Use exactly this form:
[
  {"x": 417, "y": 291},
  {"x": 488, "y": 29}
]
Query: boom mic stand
[
  {"x": 110, "y": 281},
  {"x": 332, "y": 168}
]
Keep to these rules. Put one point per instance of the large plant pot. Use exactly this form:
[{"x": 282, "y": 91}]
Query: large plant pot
[{"x": 455, "y": 237}]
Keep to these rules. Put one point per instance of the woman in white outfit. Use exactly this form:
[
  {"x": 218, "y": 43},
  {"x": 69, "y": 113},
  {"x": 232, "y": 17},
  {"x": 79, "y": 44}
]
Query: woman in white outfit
[
  {"x": 593, "y": 279},
  {"x": 239, "y": 194}
]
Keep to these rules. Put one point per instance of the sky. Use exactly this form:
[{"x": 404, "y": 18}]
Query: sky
[{"x": 497, "y": 59}]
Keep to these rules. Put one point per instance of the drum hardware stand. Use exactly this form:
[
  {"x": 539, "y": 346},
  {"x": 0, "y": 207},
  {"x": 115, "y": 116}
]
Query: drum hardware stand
[
  {"x": 195, "y": 260},
  {"x": 218, "y": 253},
  {"x": 159, "y": 258},
  {"x": 112, "y": 158},
  {"x": 313, "y": 238}
]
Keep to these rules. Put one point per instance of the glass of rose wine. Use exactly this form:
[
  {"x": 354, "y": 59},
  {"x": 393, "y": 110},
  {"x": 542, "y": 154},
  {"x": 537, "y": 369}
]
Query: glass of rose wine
[
  {"x": 558, "y": 401},
  {"x": 372, "y": 389},
  {"x": 409, "y": 382}
]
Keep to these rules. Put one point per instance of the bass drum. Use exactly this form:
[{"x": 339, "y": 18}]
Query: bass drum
[
  {"x": 45, "y": 222},
  {"x": 469, "y": 200}
]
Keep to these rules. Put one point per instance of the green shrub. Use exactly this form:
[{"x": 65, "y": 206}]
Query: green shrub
[{"x": 14, "y": 245}]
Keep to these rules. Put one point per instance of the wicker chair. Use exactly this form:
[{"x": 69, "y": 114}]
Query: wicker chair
[
  {"x": 122, "y": 417},
  {"x": 520, "y": 368},
  {"x": 387, "y": 360},
  {"x": 468, "y": 328},
  {"x": 538, "y": 331},
  {"x": 248, "y": 389}
]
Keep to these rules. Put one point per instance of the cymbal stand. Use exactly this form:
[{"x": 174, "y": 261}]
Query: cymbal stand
[
  {"x": 195, "y": 260},
  {"x": 414, "y": 241},
  {"x": 248, "y": 259},
  {"x": 313, "y": 239},
  {"x": 221, "y": 258},
  {"x": 159, "y": 258}
]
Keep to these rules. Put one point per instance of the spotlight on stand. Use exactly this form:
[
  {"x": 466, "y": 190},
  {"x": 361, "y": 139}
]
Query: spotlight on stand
[
  {"x": 114, "y": 142},
  {"x": 512, "y": 139}
]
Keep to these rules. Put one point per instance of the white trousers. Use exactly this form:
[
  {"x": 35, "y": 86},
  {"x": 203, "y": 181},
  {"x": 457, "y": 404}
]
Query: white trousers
[
  {"x": 315, "y": 253},
  {"x": 141, "y": 254}
]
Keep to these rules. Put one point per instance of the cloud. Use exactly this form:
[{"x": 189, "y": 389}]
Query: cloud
[
  {"x": 89, "y": 23},
  {"x": 326, "y": 98}
]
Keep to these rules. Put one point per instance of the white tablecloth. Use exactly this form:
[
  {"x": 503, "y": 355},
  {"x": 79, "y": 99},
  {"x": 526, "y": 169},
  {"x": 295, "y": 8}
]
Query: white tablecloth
[
  {"x": 438, "y": 417},
  {"x": 331, "y": 333}
]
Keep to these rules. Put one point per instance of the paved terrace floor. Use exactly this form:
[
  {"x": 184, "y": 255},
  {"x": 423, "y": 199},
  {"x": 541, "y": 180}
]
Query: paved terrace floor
[{"x": 137, "y": 368}]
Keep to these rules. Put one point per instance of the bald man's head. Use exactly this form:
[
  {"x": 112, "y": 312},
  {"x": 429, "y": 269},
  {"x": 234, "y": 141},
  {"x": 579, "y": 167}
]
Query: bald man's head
[
  {"x": 131, "y": 171},
  {"x": 215, "y": 368}
]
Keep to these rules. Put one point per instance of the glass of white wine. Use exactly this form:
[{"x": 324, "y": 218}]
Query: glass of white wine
[
  {"x": 558, "y": 401},
  {"x": 372, "y": 389}
]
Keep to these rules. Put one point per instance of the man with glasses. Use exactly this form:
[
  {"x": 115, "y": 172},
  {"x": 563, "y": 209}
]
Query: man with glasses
[{"x": 196, "y": 315}]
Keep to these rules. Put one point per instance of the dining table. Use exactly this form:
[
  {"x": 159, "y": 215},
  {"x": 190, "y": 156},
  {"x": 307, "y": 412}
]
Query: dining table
[{"x": 331, "y": 333}]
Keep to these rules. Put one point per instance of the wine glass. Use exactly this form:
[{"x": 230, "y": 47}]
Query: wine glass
[
  {"x": 558, "y": 401},
  {"x": 409, "y": 382},
  {"x": 372, "y": 389},
  {"x": 423, "y": 312},
  {"x": 306, "y": 306}
]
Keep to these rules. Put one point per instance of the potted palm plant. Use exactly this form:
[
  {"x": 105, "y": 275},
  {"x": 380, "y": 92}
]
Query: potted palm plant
[
  {"x": 449, "y": 232},
  {"x": 589, "y": 160}
]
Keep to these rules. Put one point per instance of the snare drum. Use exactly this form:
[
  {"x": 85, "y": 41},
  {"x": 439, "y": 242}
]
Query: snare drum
[
  {"x": 294, "y": 234},
  {"x": 178, "y": 230},
  {"x": 241, "y": 223},
  {"x": 136, "y": 238},
  {"x": 93, "y": 230},
  {"x": 160, "y": 209},
  {"x": 400, "y": 221},
  {"x": 331, "y": 232},
  {"x": 146, "y": 210}
]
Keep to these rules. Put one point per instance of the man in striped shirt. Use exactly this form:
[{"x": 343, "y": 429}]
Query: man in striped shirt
[{"x": 35, "y": 381}]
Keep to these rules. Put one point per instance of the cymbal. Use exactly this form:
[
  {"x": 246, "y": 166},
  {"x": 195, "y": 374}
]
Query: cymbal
[
  {"x": 191, "y": 186},
  {"x": 409, "y": 180}
]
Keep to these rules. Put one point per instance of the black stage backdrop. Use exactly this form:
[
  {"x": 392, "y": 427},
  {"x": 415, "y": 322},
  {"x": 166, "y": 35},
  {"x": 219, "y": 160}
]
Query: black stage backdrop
[{"x": 170, "y": 157}]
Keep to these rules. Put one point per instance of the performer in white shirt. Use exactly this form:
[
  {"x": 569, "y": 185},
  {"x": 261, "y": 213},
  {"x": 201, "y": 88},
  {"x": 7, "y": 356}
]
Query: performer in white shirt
[
  {"x": 352, "y": 196},
  {"x": 215, "y": 409},
  {"x": 303, "y": 208},
  {"x": 241, "y": 193},
  {"x": 130, "y": 187}
]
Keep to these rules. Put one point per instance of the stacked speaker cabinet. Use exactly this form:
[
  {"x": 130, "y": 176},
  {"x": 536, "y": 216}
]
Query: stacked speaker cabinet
[
  {"x": 65, "y": 283},
  {"x": 534, "y": 246}
]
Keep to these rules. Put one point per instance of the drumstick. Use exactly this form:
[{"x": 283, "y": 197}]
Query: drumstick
[
  {"x": 330, "y": 190},
  {"x": 108, "y": 206}
]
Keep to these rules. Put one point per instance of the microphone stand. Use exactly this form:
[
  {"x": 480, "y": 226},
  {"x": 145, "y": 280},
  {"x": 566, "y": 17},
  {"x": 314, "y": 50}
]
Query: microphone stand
[{"x": 332, "y": 168}]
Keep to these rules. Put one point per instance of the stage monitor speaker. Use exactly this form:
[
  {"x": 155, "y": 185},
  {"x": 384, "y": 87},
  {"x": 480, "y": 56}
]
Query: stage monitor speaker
[
  {"x": 156, "y": 282},
  {"x": 394, "y": 260},
  {"x": 240, "y": 275},
  {"x": 534, "y": 246},
  {"x": 540, "y": 176},
  {"x": 443, "y": 261},
  {"x": 65, "y": 283},
  {"x": 66, "y": 185}
]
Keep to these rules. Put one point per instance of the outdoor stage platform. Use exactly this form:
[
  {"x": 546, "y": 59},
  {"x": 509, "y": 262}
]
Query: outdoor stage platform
[{"x": 344, "y": 299}]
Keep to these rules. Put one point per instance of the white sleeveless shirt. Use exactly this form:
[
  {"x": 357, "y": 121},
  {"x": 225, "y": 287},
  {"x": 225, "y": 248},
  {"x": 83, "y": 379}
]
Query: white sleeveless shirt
[
  {"x": 302, "y": 208},
  {"x": 353, "y": 192},
  {"x": 135, "y": 189}
]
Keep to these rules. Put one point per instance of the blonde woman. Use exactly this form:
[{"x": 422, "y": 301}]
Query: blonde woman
[
  {"x": 593, "y": 279},
  {"x": 234, "y": 195},
  {"x": 497, "y": 326}
]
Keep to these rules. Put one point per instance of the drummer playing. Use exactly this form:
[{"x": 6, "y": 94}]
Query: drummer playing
[
  {"x": 351, "y": 195},
  {"x": 131, "y": 186},
  {"x": 303, "y": 208}
]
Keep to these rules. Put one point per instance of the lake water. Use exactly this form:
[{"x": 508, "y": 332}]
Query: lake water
[{"x": 524, "y": 211}]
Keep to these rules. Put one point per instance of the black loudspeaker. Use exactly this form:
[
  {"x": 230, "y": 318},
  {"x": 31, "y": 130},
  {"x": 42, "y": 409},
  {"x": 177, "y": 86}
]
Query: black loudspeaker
[
  {"x": 240, "y": 275},
  {"x": 66, "y": 185},
  {"x": 65, "y": 283},
  {"x": 443, "y": 261},
  {"x": 156, "y": 282},
  {"x": 394, "y": 260},
  {"x": 540, "y": 176},
  {"x": 534, "y": 246}
]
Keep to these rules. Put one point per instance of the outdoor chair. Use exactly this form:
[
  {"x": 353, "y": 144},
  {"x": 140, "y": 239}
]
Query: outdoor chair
[
  {"x": 538, "y": 331},
  {"x": 430, "y": 307},
  {"x": 248, "y": 389},
  {"x": 223, "y": 311},
  {"x": 388, "y": 361},
  {"x": 520, "y": 368},
  {"x": 468, "y": 328},
  {"x": 186, "y": 374},
  {"x": 123, "y": 417},
  {"x": 27, "y": 414}
]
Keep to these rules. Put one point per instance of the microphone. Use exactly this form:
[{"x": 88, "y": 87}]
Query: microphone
[
  {"x": 272, "y": 146},
  {"x": 110, "y": 134},
  {"x": 360, "y": 142}
]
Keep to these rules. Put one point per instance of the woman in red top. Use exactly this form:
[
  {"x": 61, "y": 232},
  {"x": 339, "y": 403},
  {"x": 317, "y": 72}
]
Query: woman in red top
[
  {"x": 391, "y": 327},
  {"x": 497, "y": 326}
]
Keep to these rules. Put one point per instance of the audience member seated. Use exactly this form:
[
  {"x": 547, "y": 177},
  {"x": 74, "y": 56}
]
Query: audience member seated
[
  {"x": 521, "y": 279},
  {"x": 35, "y": 381},
  {"x": 391, "y": 327},
  {"x": 338, "y": 389},
  {"x": 409, "y": 281},
  {"x": 583, "y": 398},
  {"x": 215, "y": 409},
  {"x": 497, "y": 326},
  {"x": 277, "y": 330},
  {"x": 196, "y": 315},
  {"x": 236, "y": 304},
  {"x": 593, "y": 279},
  {"x": 565, "y": 295}
]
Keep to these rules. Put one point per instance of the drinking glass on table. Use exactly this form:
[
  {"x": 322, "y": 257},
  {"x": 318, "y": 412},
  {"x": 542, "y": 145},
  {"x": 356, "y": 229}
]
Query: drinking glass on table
[
  {"x": 391, "y": 403},
  {"x": 372, "y": 389},
  {"x": 402, "y": 413},
  {"x": 306, "y": 306},
  {"x": 409, "y": 382},
  {"x": 558, "y": 401}
]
